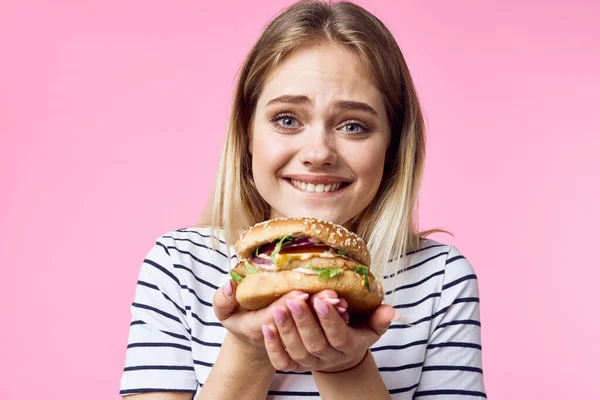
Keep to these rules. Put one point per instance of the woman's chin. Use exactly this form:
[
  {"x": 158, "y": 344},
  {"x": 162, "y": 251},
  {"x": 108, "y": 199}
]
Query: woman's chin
[{"x": 334, "y": 216}]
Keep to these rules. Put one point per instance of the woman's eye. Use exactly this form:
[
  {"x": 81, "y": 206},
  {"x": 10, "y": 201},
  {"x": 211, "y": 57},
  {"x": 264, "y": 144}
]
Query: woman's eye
[
  {"x": 354, "y": 128},
  {"x": 287, "y": 122},
  {"x": 284, "y": 121}
]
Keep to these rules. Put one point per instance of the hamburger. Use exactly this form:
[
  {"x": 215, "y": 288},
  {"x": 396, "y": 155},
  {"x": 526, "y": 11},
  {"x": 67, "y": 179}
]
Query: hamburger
[{"x": 307, "y": 254}]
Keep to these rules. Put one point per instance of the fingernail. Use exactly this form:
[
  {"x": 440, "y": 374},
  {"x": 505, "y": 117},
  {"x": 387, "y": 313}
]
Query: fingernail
[
  {"x": 267, "y": 332},
  {"x": 341, "y": 310},
  {"x": 294, "y": 307},
  {"x": 397, "y": 316},
  {"x": 227, "y": 289},
  {"x": 346, "y": 317},
  {"x": 334, "y": 302},
  {"x": 278, "y": 314},
  {"x": 321, "y": 307},
  {"x": 303, "y": 296}
]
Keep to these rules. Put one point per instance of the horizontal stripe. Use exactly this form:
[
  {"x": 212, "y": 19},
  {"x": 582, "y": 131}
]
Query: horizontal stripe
[
  {"x": 290, "y": 393},
  {"x": 420, "y": 321},
  {"x": 458, "y": 322},
  {"x": 398, "y": 347},
  {"x": 176, "y": 335},
  {"x": 203, "y": 363},
  {"x": 174, "y": 345},
  {"x": 152, "y": 390},
  {"x": 185, "y": 287},
  {"x": 400, "y": 368},
  {"x": 292, "y": 373},
  {"x": 185, "y": 230},
  {"x": 416, "y": 303},
  {"x": 459, "y": 280},
  {"x": 466, "y": 300},
  {"x": 452, "y": 368},
  {"x": 198, "y": 245},
  {"x": 210, "y": 265},
  {"x": 448, "y": 392},
  {"x": 192, "y": 291},
  {"x": 412, "y": 285},
  {"x": 451, "y": 260},
  {"x": 417, "y": 251},
  {"x": 455, "y": 344},
  {"x": 154, "y": 287},
  {"x": 202, "y": 281},
  {"x": 162, "y": 269},
  {"x": 164, "y": 248},
  {"x": 205, "y": 323},
  {"x": 416, "y": 265},
  {"x": 203, "y": 343},
  {"x": 156, "y": 310},
  {"x": 149, "y": 285},
  {"x": 436, "y": 314},
  {"x": 404, "y": 389},
  {"x": 160, "y": 367}
]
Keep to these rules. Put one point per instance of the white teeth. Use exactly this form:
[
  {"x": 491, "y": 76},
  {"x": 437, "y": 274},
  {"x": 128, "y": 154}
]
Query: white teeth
[{"x": 318, "y": 188}]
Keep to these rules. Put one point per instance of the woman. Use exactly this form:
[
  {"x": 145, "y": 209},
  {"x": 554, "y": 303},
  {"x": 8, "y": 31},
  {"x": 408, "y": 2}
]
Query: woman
[{"x": 325, "y": 123}]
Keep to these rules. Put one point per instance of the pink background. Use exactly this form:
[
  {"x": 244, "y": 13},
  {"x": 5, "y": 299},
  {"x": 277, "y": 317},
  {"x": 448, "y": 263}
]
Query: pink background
[{"x": 112, "y": 115}]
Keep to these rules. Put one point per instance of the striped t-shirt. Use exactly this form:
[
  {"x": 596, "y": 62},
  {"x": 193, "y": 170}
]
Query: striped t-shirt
[{"x": 175, "y": 337}]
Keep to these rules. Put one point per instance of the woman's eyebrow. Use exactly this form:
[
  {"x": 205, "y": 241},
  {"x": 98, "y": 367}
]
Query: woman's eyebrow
[
  {"x": 356, "y": 105},
  {"x": 343, "y": 104}
]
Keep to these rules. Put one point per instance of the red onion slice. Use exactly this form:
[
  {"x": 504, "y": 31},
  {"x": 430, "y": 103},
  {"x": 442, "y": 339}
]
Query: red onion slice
[
  {"x": 261, "y": 261},
  {"x": 297, "y": 242}
]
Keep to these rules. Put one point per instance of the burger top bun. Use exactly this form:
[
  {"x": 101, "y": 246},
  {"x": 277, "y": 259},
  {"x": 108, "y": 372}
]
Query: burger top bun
[{"x": 331, "y": 234}]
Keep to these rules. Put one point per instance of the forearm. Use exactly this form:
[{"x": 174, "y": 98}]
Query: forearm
[
  {"x": 360, "y": 382},
  {"x": 237, "y": 374}
]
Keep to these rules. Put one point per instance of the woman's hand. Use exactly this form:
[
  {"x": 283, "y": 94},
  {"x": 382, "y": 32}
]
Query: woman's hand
[
  {"x": 245, "y": 326},
  {"x": 301, "y": 340}
]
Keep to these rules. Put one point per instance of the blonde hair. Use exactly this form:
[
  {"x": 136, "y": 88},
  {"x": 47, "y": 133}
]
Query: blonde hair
[{"x": 390, "y": 223}]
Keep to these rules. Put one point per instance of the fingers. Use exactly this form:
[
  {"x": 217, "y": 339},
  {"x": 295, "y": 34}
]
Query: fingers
[
  {"x": 381, "y": 319},
  {"x": 291, "y": 338},
  {"x": 337, "y": 333},
  {"x": 224, "y": 301},
  {"x": 332, "y": 298},
  {"x": 280, "y": 359}
]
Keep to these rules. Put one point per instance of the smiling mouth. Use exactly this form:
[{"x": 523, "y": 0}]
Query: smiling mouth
[{"x": 319, "y": 188}]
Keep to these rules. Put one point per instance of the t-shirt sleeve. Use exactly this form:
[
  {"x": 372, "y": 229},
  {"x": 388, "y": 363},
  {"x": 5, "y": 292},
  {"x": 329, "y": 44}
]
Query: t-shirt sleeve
[
  {"x": 159, "y": 352},
  {"x": 452, "y": 369}
]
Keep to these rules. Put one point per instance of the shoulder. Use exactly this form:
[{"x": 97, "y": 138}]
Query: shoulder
[
  {"x": 191, "y": 254},
  {"x": 442, "y": 256},
  {"x": 427, "y": 271}
]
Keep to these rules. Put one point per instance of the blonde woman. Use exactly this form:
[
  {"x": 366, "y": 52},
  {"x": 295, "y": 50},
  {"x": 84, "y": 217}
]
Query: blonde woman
[{"x": 325, "y": 123}]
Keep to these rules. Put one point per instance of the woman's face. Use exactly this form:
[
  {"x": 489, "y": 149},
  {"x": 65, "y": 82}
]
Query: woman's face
[{"x": 319, "y": 136}]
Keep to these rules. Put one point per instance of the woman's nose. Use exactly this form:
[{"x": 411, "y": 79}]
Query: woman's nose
[{"x": 319, "y": 151}]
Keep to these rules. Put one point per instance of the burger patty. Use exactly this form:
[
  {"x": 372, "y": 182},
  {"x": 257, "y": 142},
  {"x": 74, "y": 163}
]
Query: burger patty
[{"x": 316, "y": 261}]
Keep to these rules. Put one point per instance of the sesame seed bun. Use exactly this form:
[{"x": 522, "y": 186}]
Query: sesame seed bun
[
  {"x": 266, "y": 284},
  {"x": 329, "y": 233}
]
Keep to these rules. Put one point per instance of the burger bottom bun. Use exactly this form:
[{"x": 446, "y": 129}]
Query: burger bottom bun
[{"x": 259, "y": 290}]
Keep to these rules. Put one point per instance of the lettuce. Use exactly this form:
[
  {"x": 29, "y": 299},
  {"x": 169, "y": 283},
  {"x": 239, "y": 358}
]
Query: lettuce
[
  {"x": 277, "y": 249},
  {"x": 250, "y": 269},
  {"x": 234, "y": 275},
  {"x": 326, "y": 273},
  {"x": 364, "y": 272}
]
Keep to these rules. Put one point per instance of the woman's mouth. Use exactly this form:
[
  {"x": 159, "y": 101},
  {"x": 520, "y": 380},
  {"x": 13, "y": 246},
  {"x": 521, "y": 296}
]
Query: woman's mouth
[{"x": 317, "y": 188}]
